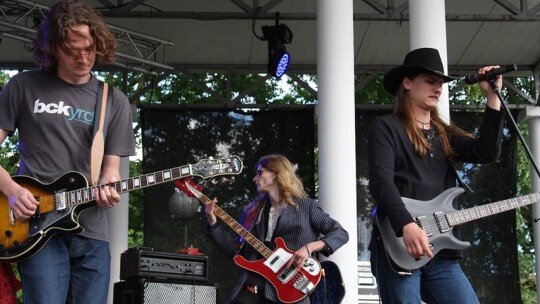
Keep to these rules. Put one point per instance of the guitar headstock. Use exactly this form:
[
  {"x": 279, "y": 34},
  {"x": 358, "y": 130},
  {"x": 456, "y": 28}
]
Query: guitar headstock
[{"x": 210, "y": 167}]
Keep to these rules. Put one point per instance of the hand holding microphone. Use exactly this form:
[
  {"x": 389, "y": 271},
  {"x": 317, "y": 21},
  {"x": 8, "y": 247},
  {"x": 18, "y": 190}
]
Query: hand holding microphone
[
  {"x": 494, "y": 73},
  {"x": 491, "y": 89}
]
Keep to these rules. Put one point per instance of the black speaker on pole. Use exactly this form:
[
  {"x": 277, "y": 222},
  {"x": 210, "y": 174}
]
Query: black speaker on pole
[{"x": 155, "y": 291}]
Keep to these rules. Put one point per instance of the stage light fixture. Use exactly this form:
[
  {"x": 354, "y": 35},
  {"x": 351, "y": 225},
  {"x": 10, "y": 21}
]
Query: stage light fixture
[{"x": 278, "y": 58}]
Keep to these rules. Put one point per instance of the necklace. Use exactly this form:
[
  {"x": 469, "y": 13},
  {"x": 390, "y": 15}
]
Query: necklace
[
  {"x": 429, "y": 133},
  {"x": 424, "y": 124}
]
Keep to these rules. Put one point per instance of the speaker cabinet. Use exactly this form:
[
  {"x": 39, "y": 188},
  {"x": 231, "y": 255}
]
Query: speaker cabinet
[{"x": 152, "y": 291}]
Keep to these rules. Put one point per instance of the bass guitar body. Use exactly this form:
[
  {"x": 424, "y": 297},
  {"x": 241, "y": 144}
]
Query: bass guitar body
[{"x": 291, "y": 284}]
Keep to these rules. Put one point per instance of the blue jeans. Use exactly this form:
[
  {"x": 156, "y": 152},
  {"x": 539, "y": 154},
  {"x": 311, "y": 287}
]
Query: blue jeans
[
  {"x": 439, "y": 281},
  {"x": 68, "y": 269}
]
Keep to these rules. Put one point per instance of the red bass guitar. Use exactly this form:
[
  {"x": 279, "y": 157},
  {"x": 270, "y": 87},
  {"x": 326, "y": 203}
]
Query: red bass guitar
[{"x": 291, "y": 284}]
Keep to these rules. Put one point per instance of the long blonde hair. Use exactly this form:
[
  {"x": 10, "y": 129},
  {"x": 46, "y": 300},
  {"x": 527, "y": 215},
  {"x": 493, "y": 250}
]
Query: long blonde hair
[{"x": 289, "y": 184}]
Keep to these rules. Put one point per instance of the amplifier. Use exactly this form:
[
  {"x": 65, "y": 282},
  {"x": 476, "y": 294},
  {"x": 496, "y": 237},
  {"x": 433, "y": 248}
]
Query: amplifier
[
  {"x": 152, "y": 291},
  {"x": 136, "y": 263}
]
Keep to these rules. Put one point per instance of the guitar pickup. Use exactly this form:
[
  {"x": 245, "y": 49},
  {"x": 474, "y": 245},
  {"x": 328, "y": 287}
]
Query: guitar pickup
[
  {"x": 60, "y": 200},
  {"x": 442, "y": 223},
  {"x": 287, "y": 274}
]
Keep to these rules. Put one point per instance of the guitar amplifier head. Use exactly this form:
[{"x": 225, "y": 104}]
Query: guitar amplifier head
[{"x": 146, "y": 263}]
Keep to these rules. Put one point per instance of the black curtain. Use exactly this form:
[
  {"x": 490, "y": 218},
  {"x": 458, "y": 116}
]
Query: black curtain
[{"x": 172, "y": 138}]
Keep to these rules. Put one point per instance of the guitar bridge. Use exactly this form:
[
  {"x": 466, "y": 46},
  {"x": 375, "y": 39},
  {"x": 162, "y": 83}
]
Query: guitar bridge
[
  {"x": 301, "y": 282},
  {"x": 304, "y": 285}
]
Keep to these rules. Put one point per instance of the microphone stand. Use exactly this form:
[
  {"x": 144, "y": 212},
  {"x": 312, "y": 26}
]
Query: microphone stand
[{"x": 514, "y": 124}]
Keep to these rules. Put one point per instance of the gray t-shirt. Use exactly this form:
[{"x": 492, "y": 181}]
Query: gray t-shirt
[{"x": 55, "y": 122}]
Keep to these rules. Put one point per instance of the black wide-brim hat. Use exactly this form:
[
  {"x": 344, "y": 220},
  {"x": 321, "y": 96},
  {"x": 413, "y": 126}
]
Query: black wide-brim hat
[{"x": 423, "y": 60}]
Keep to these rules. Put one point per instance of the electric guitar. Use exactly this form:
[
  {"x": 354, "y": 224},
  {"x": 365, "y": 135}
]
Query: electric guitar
[
  {"x": 438, "y": 218},
  {"x": 62, "y": 201},
  {"x": 291, "y": 284}
]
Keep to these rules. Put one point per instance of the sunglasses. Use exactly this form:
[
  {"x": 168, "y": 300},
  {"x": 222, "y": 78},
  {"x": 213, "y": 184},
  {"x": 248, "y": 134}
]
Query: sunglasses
[{"x": 260, "y": 171}]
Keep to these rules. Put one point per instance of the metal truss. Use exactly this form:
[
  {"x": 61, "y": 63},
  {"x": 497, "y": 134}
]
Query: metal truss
[{"x": 20, "y": 19}]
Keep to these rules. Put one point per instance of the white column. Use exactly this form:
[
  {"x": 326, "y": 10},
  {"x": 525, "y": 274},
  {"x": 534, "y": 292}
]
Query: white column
[
  {"x": 428, "y": 29},
  {"x": 118, "y": 230},
  {"x": 336, "y": 127}
]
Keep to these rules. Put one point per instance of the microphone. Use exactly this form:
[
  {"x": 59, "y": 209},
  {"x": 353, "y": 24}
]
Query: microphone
[{"x": 475, "y": 77}]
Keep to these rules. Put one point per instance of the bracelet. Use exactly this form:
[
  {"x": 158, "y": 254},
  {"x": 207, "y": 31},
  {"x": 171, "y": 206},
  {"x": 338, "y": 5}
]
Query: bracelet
[{"x": 308, "y": 253}]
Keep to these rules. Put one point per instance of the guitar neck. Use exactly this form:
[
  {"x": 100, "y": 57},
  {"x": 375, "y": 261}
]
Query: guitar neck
[
  {"x": 239, "y": 229},
  {"x": 463, "y": 216},
  {"x": 85, "y": 195}
]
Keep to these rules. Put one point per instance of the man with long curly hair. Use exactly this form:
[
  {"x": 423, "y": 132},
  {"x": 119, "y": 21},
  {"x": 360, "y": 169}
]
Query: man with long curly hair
[{"x": 53, "y": 110}]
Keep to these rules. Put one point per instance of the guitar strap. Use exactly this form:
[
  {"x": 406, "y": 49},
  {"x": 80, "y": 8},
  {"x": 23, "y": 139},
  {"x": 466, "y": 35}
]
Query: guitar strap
[{"x": 100, "y": 130}]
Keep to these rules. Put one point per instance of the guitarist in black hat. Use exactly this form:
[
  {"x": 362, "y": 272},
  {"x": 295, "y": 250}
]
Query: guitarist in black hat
[{"x": 409, "y": 156}]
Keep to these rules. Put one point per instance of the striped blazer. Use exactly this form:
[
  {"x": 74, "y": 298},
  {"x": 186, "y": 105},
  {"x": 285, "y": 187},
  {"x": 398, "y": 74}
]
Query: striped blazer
[{"x": 297, "y": 226}]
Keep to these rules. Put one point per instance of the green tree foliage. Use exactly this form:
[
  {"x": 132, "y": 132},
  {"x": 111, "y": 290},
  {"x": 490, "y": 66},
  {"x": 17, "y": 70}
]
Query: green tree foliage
[
  {"x": 524, "y": 217},
  {"x": 524, "y": 228},
  {"x": 9, "y": 158},
  {"x": 370, "y": 91}
]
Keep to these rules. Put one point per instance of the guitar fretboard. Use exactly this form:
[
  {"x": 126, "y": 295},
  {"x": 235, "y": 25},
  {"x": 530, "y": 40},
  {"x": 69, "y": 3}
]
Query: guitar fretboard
[
  {"x": 84, "y": 195},
  {"x": 205, "y": 168},
  {"x": 463, "y": 216}
]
